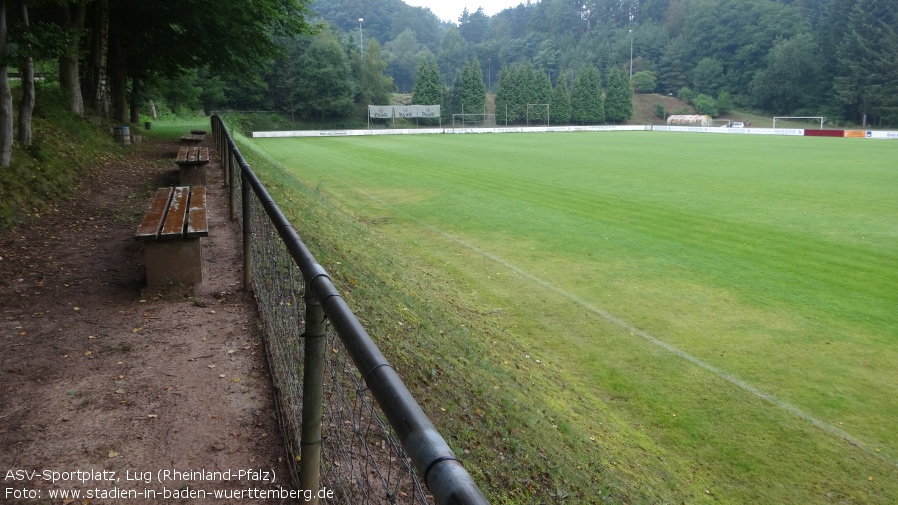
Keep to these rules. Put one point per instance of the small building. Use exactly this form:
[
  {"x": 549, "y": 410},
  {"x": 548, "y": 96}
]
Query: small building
[{"x": 689, "y": 120}]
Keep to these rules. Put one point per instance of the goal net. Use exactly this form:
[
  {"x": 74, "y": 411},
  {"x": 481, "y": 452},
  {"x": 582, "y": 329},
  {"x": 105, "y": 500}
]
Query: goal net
[
  {"x": 473, "y": 120},
  {"x": 802, "y": 120}
]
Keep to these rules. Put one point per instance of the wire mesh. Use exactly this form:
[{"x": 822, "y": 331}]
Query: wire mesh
[{"x": 362, "y": 460}]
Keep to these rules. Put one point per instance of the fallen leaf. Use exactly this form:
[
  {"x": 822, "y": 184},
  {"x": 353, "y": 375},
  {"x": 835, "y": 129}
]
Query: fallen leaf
[
  {"x": 232, "y": 351},
  {"x": 222, "y": 376},
  {"x": 87, "y": 353},
  {"x": 136, "y": 330},
  {"x": 211, "y": 366},
  {"x": 113, "y": 454},
  {"x": 237, "y": 379},
  {"x": 120, "y": 391}
]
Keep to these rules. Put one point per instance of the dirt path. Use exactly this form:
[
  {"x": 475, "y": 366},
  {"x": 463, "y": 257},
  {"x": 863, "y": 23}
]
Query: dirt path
[{"x": 99, "y": 375}]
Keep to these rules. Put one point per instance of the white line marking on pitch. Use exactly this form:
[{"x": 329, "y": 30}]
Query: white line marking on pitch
[{"x": 773, "y": 400}]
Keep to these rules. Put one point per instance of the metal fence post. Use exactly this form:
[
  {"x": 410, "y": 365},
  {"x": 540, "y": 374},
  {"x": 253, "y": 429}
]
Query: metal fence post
[
  {"x": 233, "y": 184},
  {"x": 312, "y": 392},
  {"x": 247, "y": 235},
  {"x": 226, "y": 161}
]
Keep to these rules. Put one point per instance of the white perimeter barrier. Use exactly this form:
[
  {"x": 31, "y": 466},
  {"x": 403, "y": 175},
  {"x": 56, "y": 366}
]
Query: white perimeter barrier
[
  {"x": 891, "y": 135},
  {"x": 732, "y": 131},
  {"x": 426, "y": 131},
  {"x": 883, "y": 135}
]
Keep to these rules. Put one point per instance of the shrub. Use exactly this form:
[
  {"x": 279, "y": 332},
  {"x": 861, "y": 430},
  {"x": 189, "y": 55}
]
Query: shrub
[
  {"x": 644, "y": 81},
  {"x": 705, "y": 104},
  {"x": 686, "y": 94}
]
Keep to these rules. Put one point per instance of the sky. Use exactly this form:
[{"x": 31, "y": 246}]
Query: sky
[{"x": 450, "y": 10}]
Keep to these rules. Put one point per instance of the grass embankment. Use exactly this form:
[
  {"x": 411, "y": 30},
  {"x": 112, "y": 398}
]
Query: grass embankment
[
  {"x": 525, "y": 298},
  {"x": 64, "y": 146}
]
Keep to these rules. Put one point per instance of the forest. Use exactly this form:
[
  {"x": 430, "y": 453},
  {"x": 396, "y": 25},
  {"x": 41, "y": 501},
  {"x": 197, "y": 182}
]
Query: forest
[
  {"x": 326, "y": 60},
  {"x": 834, "y": 58}
]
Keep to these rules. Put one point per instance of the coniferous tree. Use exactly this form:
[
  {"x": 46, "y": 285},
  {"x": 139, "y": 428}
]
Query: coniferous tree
[
  {"x": 672, "y": 76},
  {"x": 504, "y": 95},
  {"x": 473, "y": 92},
  {"x": 560, "y": 105},
  {"x": 452, "y": 103},
  {"x": 586, "y": 98},
  {"x": 540, "y": 93},
  {"x": 619, "y": 97},
  {"x": 428, "y": 84},
  {"x": 429, "y": 87},
  {"x": 868, "y": 57}
]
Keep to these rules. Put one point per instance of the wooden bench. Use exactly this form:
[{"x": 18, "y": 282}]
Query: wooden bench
[
  {"x": 192, "y": 162},
  {"x": 192, "y": 138},
  {"x": 171, "y": 232},
  {"x": 198, "y": 132}
]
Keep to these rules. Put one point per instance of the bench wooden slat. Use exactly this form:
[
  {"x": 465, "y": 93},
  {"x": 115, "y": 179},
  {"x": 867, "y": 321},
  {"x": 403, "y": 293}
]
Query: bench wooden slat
[
  {"x": 192, "y": 156},
  {"x": 197, "y": 224},
  {"x": 177, "y": 214},
  {"x": 152, "y": 221}
]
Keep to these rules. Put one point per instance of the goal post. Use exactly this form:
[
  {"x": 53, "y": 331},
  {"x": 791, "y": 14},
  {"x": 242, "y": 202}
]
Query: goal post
[
  {"x": 539, "y": 107},
  {"x": 791, "y": 118},
  {"x": 473, "y": 120}
]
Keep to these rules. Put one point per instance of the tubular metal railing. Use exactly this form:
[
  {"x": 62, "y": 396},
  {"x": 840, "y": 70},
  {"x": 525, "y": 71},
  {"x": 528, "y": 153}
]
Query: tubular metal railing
[{"x": 349, "y": 422}]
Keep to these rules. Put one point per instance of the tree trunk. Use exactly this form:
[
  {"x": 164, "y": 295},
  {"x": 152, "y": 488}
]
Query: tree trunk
[
  {"x": 26, "y": 106},
  {"x": 101, "y": 53},
  {"x": 6, "y": 113},
  {"x": 135, "y": 100},
  {"x": 118, "y": 78},
  {"x": 71, "y": 17}
]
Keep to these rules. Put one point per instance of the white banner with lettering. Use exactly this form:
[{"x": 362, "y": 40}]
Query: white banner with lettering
[
  {"x": 380, "y": 111},
  {"x": 406, "y": 111},
  {"x": 429, "y": 111},
  {"x": 403, "y": 111}
]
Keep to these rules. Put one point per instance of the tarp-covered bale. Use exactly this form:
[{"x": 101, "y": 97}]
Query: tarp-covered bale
[{"x": 689, "y": 120}]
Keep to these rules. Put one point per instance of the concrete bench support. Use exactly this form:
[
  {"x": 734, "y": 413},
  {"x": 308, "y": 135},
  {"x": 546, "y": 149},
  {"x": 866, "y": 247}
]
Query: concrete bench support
[{"x": 171, "y": 232}]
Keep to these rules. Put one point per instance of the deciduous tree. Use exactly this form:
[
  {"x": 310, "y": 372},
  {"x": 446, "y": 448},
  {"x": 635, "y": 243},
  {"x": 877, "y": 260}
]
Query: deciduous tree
[{"x": 323, "y": 87}]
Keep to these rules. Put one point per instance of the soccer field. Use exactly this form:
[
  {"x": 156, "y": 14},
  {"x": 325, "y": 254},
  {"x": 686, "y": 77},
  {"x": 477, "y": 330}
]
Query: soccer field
[{"x": 686, "y": 317}]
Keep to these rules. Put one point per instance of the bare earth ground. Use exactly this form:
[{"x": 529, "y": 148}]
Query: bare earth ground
[{"x": 99, "y": 374}]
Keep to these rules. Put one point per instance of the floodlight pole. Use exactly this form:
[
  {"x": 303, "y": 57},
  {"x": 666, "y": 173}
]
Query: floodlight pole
[{"x": 361, "y": 45}]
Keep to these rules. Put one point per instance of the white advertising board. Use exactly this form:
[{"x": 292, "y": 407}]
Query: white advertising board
[
  {"x": 430, "y": 131},
  {"x": 731, "y": 131},
  {"x": 882, "y": 135}
]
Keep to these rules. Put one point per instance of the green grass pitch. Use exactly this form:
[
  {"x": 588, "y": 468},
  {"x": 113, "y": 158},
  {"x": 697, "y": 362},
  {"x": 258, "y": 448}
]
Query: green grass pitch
[{"x": 686, "y": 317}]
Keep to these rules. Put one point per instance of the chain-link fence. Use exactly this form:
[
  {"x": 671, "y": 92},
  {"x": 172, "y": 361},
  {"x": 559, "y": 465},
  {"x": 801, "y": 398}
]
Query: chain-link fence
[{"x": 376, "y": 445}]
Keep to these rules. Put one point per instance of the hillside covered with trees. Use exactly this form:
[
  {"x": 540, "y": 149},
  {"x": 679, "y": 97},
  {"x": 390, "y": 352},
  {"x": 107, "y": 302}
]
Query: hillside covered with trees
[
  {"x": 325, "y": 60},
  {"x": 837, "y": 58}
]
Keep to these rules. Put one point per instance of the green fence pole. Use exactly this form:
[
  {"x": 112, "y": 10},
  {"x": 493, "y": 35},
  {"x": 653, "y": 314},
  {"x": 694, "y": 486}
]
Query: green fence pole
[{"x": 312, "y": 393}]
